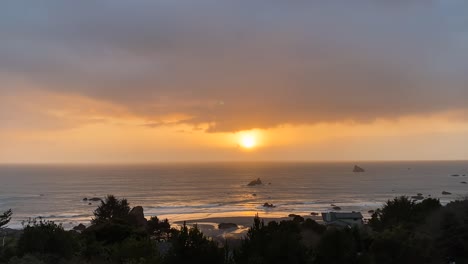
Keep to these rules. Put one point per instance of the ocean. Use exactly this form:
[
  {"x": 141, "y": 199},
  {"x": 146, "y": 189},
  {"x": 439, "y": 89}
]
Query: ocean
[{"x": 186, "y": 191}]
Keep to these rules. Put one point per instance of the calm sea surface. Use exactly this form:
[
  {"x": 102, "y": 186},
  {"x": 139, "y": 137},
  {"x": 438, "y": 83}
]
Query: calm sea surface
[{"x": 193, "y": 191}]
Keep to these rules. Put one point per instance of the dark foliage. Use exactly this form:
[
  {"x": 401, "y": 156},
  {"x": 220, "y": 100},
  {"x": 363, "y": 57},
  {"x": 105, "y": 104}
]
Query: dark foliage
[
  {"x": 47, "y": 239},
  {"x": 403, "y": 231},
  {"x": 111, "y": 209},
  {"x": 5, "y": 218},
  {"x": 189, "y": 245},
  {"x": 160, "y": 230},
  {"x": 273, "y": 243},
  {"x": 402, "y": 212}
]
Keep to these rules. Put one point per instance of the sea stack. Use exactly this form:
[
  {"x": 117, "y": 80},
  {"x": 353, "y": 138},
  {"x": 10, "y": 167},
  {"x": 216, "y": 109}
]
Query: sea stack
[
  {"x": 255, "y": 182},
  {"x": 358, "y": 169}
]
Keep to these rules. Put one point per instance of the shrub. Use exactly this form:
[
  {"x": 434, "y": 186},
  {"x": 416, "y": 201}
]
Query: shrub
[{"x": 46, "y": 238}]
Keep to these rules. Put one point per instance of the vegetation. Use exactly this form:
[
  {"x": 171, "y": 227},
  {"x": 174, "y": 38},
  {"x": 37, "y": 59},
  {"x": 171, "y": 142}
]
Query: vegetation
[
  {"x": 402, "y": 231},
  {"x": 5, "y": 218},
  {"x": 111, "y": 209}
]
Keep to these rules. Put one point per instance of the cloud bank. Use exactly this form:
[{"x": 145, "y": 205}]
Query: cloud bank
[{"x": 239, "y": 65}]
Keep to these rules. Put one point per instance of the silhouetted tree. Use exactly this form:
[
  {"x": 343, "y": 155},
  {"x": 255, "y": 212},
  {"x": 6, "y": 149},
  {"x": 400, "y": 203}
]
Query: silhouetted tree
[
  {"x": 110, "y": 209},
  {"x": 160, "y": 230},
  {"x": 5, "y": 218},
  {"x": 403, "y": 212},
  {"x": 272, "y": 243},
  {"x": 189, "y": 245}
]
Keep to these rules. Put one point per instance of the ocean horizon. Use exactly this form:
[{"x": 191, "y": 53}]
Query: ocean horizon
[{"x": 187, "y": 190}]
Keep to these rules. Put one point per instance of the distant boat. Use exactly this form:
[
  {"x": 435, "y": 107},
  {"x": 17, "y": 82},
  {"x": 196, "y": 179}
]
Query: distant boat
[{"x": 358, "y": 169}]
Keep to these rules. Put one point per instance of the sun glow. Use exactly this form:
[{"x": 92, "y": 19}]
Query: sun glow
[{"x": 248, "y": 141}]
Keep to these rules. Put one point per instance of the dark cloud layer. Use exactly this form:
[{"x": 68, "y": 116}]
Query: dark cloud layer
[{"x": 244, "y": 64}]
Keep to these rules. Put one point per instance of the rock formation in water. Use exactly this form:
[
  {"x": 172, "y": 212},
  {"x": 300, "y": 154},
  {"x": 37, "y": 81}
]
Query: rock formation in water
[
  {"x": 255, "y": 182},
  {"x": 446, "y": 193},
  {"x": 138, "y": 217},
  {"x": 268, "y": 205},
  {"x": 358, "y": 169}
]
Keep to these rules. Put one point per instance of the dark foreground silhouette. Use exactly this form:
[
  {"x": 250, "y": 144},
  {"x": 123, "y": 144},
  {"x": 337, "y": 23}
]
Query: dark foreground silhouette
[{"x": 403, "y": 231}]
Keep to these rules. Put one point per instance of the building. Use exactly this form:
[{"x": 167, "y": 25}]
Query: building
[{"x": 339, "y": 219}]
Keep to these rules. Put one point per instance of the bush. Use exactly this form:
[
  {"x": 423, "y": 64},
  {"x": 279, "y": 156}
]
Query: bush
[{"x": 45, "y": 238}]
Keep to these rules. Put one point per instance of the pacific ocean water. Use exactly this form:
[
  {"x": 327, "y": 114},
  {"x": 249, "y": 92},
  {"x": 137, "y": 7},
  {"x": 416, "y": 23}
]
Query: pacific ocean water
[{"x": 185, "y": 191}]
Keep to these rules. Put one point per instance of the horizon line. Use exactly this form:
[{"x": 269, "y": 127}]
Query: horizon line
[{"x": 227, "y": 161}]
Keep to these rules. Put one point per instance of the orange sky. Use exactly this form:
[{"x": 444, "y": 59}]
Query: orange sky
[
  {"x": 70, "y": 129},
  {"x": 156, "y": 81}
]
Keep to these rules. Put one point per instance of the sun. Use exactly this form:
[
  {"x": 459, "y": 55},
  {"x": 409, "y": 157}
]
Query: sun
[{"x": 248, "y": 141}]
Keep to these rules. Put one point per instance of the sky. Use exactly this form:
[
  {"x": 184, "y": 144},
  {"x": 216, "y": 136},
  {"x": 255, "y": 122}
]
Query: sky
[{"x": 180, "y": 80}]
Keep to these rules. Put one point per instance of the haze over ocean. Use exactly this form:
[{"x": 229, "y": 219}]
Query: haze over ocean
[{"x": 185, "y": 191}]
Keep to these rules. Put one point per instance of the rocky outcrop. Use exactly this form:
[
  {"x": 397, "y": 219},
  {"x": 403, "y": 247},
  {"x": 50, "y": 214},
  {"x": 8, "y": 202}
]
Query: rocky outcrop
[
  {"x": 268, "y": 205},
  {"x": 463, "y": 182},
  {"x": 255, "y": 182},
  {"x": 455, "y": 175},
  {"x": 227, "y": 226},
  {"x": 85, "y": 199},
  {"x": 314, "y": 213},
  {"x": 417, "y": 197},
  {"x": 95, "y": 199},
  {"x": 446, "y": 193},
  {"x": 371, "y": 211},
  {"x": 337, "y": 208},
  {"x": 138, "y": 217},
  {"x": 358, "y": 169},
  {"x": 79, "y": 227}
]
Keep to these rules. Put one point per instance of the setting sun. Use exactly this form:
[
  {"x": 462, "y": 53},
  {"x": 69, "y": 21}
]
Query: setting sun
[{"x": 248, "y": 141}]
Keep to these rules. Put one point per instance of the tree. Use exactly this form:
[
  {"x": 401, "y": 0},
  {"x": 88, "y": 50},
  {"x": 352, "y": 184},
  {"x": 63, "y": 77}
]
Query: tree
[
  {"x": 111, "y": 209},
  {"x": 5, "y": 218},
  {"x": 160, "y": 230},
  {"x": 189, "y": 245},
  {"x": 403, "y": 212},
  {"x": 272, "y": 243}
]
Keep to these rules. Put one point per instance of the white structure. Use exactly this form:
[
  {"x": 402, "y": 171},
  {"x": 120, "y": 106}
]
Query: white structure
[{"x": 342, "y": 219}]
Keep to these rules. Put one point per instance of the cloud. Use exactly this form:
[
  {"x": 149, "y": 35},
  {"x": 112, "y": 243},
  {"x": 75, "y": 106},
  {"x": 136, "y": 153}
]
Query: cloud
[{"x": 239, "y": 65}]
